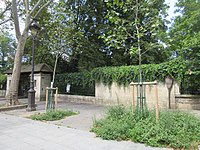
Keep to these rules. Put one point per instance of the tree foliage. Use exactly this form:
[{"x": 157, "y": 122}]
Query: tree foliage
[
  {"x": 132, "y": 19},
  {"x": 42, "y": 53},
  {"x": 7, "y": 50},
  {"x": 87, "y": 31},
  {"x": 185, "y": 33},
  {"x": 80, "y": 23}
]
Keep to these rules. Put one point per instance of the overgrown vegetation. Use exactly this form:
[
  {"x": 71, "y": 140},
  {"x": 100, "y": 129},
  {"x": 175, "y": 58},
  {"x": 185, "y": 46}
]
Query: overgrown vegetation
[
  {"x": 123, "y": 75},
  {"x": 2, "y": 78},
  {"x": 175, "y": 129},
  {"x": 52, "y": 115},
  {"x": 2, "y": 81}
]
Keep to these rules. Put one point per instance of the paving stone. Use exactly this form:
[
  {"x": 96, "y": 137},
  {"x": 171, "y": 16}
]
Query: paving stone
[{"x": 33, "y": 135}]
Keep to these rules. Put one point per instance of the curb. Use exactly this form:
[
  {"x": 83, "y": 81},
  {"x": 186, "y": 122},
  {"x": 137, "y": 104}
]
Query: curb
[{"x": 13, "y": 107}]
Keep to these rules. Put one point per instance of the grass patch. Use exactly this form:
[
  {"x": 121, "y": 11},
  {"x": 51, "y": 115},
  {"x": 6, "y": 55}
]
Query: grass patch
[
  {"x": 175, "y": 129},
  {"x": 52, "y": 115}
]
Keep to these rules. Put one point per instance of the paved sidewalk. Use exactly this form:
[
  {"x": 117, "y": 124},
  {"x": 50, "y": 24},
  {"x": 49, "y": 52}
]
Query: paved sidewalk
[
  {"x": 18, "y": 133},
  {"x": 82, "y": 121}
]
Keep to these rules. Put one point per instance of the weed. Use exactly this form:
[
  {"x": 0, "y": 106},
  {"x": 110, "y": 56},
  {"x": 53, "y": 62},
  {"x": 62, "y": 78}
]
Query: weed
[
  {"x": 175, "y": 129},
  {"x": 52, "y": 115}
]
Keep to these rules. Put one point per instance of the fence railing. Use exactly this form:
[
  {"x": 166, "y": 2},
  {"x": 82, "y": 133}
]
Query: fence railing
[
  {"x": 190, "y": 84},
  {"x": 77, "y": 89}
]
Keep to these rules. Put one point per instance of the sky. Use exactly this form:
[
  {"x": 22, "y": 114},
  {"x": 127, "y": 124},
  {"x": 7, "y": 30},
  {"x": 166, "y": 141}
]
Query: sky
[{"x": 171, "y": 10}]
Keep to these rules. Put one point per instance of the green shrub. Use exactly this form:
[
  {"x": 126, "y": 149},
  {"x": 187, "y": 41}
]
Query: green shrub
[
  {"x": 2, "y": 78},
  {"x": 116, "y": 125},
  {"x": 123, "y": 75},
  {"x": 175, "y": 129},
  {"x": 52, "y": 115}
]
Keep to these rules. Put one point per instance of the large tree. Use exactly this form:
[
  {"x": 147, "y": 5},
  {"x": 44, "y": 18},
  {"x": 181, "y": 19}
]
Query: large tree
[
  {"x": 83, "y": 22},
  {"x": 42, "y": 53},
  {"x": 136, "y": 26},
  {"x": 185, "y": 33},
  {"x": 77, "y": 25},
  {"x": 21, "y": 12},
  {"x": 185, "y": 43}
]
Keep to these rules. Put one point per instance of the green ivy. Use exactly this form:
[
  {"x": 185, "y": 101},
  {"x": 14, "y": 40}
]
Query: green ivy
[
  {"x": 77, "y": 79},
  {"x": 123, "y": 75},
  {"x": 2, "y": 78}
]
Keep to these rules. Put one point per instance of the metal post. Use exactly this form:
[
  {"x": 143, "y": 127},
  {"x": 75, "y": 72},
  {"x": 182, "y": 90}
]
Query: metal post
[
  {"x": 133, "y": 100},
  {"x": 156, "y": 105},
  {"x": 31, "y": 92}
]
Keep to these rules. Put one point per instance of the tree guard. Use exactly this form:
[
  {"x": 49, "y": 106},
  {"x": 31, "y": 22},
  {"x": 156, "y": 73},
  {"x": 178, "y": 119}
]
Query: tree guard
[
  {"x": 141, "y": 106},
  {"x": 51, "y": 98}
]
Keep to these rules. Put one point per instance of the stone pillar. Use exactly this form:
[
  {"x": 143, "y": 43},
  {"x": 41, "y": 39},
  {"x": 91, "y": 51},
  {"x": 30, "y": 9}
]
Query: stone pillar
[
  {"x": 37, "y": 86},
  {"x": 9, "y": 77}
]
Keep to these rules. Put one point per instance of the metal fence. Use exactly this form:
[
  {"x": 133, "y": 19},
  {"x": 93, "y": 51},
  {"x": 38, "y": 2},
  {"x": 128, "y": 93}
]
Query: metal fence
[
  {"x": 77, "y": 89},
  {"x": 190, "y": 84},
  {"x": 3, "y": 86}
]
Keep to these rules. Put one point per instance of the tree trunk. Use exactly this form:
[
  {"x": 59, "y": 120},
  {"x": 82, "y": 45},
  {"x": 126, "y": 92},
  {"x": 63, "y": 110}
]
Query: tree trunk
[
  {"x": 54, "y": 70},
  {"x": 12, "y": 96}
]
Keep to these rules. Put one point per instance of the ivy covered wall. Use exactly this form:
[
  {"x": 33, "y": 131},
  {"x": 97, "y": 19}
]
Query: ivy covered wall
[{"x": 123, "y": 75}]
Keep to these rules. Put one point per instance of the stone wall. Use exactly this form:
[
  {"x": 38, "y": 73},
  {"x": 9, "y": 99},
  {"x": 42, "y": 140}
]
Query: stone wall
[
  {"x": 188, "y": 102},
  {"x": 41, "y": 82},
  {"x": 114, "y": 94},
  {"x": 77, "y": 98},
  {"x": 124, "y": 95},
  {"x": 9, "y": 77}
]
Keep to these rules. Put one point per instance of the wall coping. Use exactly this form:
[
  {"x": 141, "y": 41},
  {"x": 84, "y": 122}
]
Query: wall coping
[
  {"x": 187, "y": 96},
  {"x": 76, "y": 96}
]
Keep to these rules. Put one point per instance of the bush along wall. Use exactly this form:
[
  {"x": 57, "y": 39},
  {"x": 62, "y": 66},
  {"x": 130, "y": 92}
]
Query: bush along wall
[
  {"x": 123, "y": 75},
  {"x": 82, "y": 79},
  {"x": 2, "y": 81}
]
